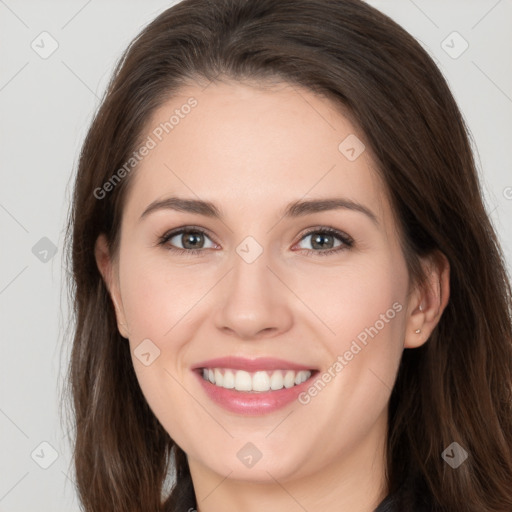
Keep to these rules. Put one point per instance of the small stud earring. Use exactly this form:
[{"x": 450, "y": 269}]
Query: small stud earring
[
  {"x": 417, "y": 331},
  {"x": 421, "y": 307}
]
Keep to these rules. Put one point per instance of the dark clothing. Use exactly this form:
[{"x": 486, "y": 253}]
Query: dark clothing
[{"x": 412, "y": 496}]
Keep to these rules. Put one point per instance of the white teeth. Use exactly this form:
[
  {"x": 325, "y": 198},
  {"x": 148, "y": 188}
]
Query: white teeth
[
  {"x": 289, "y": 379},
  {"x": 301, "y": 377},
  {"x": 276, "y": 381},
  {"x": 258, "y": 381},
  {"x": 219, "y": 378},
  {"x": 229, "y": 379},
  {"x": 243, "y": 381}
]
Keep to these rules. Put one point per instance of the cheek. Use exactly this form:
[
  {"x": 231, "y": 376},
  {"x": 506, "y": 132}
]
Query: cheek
[
  {"x": 157, "y": 296},
  {"x": 157, "y": 303},
  {"x": 363, "y": 306},
  {"x": 361, "y": 299}
]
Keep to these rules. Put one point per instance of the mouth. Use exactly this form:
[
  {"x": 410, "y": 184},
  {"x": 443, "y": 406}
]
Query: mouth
[
  {"x": 259, "y": 375},
  {"x": 258, "y": 382},
  {"x": 253, "y": 386}
]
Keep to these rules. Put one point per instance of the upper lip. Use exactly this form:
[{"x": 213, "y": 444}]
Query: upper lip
[{"x": 250, "y": 365}]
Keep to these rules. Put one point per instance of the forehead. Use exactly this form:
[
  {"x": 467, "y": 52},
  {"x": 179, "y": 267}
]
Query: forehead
[{"x": 246, "y": 148}]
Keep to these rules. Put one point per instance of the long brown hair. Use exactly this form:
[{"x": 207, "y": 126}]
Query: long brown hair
[{"x": 456, "y": 387}]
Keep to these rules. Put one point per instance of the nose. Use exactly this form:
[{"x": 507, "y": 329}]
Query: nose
[{"x": 253, "y": 301}]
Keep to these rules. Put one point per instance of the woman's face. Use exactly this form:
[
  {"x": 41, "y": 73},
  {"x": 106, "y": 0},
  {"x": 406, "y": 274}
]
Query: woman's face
[{"x": 267, "y": 291}]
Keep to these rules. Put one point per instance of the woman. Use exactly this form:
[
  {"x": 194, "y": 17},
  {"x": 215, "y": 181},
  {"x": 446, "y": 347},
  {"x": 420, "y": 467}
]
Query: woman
[{"x": 287, "y": 289}]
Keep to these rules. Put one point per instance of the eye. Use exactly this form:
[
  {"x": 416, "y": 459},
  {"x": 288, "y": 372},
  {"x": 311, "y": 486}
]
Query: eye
[
  {"x": 323, "y": 241},
  {"x": 189, "y": 240}
]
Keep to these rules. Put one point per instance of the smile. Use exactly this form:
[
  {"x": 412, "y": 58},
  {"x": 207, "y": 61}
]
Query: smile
[
  {"x": 259, "y": 381},
  {"x": 248, "y": 386}
]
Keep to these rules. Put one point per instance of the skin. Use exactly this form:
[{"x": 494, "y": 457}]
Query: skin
[{"x": 252, "y": 151}]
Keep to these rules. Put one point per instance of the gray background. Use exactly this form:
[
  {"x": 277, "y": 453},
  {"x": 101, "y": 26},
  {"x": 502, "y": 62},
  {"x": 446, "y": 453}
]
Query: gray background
[{"x": 46, "y": 106}]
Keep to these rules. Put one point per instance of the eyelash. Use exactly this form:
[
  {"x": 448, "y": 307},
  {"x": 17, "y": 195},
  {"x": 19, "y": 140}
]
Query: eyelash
[{"x": 347, "y": 242}]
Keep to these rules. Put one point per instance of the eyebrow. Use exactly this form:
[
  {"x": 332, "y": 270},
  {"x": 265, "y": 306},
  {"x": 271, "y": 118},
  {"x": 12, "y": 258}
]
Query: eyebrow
[{"x": 294, "y": 209}]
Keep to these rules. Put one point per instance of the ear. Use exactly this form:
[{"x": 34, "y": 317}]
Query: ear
[
  {"x": 428, "y": 301},
  {"x": 110, "y": 273}
]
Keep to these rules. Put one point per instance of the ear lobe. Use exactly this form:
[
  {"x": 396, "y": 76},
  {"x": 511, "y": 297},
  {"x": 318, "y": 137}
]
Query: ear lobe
[
  {"x": 429, "y": 303},
  {"x": 106, "y": 268}
]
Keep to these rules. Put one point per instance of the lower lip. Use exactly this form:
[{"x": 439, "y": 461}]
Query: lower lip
[{"x": 252, "y": 403}]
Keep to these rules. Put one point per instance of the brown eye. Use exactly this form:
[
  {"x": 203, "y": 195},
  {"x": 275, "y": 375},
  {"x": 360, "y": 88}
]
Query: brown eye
[{"x": 191, "y": 241}]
